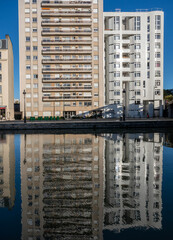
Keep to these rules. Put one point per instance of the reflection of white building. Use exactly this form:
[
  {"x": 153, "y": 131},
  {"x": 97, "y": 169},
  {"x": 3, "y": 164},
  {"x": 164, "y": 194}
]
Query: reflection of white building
[
  {"x": 133, "y": 185},
  {"x": 7, "y": 171},
  {"x": 61, "y": 190},
  {"x": 134, "y": 62}
]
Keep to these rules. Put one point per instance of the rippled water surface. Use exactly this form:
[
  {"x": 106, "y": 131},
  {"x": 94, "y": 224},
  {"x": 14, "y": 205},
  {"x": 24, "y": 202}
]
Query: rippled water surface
[{"x": 86, "y": 186}]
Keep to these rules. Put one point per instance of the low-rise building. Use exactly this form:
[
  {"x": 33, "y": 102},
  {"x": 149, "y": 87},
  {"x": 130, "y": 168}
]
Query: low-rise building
[{"x": 6, "y": 79}]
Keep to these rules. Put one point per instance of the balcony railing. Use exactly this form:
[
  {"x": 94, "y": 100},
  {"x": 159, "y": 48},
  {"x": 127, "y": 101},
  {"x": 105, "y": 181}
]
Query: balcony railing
[
  {"x": 66, "y": 51},
  {"x": 66, "y": 88},
  {"x": 66, "y": 2},
  {"x": 66, "y": 69},
  {"x": 66, "y": 98},
  {"x": 75, "y": 79},
  {"x": 47, "y": 22},
  {"x": 65, "y": 60},
  {"x": 58, "y": 13},
  {"x": 57, "y": 42}
]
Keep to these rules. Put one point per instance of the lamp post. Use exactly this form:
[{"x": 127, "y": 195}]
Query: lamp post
[
  {"x": 24, "y": 94},
  {"x": 124, "y": 105}
]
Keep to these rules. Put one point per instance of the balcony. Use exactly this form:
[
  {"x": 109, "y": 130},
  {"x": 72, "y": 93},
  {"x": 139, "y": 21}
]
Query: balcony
[
  {"x": 66, "y": 32},
  {"x": 67, "y": 3},
  {"x": 46, "y": 61},
  {"x": 66, "y": 70},
  {"x": 66, "y": 98},
  {"x": 66, "y": 80},
  {"x": 72, "y": 13},
  {"x": 63, "y": 89},
  {"x": 66, "y": 23},
  {"x": 67, "y": 51},
  {"x": 65, "y": 42}
]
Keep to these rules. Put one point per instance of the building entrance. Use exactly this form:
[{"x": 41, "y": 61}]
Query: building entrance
[
  {"x": 2, "y": 113},
  {"x": 69, "y": 114}
]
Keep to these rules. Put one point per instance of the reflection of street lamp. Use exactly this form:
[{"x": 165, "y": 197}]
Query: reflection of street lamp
[
  {"x": 24, "y": 93},
  {"x": 124, "y": 105}
]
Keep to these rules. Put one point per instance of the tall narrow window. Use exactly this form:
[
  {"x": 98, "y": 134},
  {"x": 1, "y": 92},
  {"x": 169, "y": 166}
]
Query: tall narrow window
[
  {"x": 137, "y": 23},
  {"x": 116, "y": 23},
  {"x": 157, "y": 22}
]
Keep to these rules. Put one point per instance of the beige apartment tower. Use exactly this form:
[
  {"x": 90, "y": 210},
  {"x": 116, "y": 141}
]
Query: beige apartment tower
[
  {"x": 61, "y": 56},
  {"x": 6, "y": 79}
]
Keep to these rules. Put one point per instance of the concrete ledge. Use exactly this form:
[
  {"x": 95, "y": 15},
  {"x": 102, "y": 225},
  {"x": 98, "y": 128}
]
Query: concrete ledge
[{"x": 87, "y": 124}]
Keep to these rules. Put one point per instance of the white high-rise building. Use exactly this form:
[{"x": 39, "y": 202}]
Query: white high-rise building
[{"x": 134, "y": 62}]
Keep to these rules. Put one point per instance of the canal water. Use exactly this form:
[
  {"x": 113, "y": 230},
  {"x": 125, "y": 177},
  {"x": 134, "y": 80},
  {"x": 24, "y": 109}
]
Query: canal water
[{"x": 86, "y": 186}]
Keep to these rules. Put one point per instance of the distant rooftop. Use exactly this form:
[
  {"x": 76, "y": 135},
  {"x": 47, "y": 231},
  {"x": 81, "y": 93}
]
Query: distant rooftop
[{"x": 142, "y": 10}]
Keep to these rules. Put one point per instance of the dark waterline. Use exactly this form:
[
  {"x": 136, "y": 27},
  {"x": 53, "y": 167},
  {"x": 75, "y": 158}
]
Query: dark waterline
[{"x": 93, "y": 194}]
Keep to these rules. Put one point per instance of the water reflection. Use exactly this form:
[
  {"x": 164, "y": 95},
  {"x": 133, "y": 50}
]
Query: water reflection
[
  {"x": 133, "y": 186},
  {"x": 7, "y": 171},
  {"x": 76, "y": 186},
  {"x": 61, "y": 186}
]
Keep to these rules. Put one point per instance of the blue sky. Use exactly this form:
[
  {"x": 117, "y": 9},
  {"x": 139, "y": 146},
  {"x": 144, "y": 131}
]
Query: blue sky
[{"x": 9, "y": 25}]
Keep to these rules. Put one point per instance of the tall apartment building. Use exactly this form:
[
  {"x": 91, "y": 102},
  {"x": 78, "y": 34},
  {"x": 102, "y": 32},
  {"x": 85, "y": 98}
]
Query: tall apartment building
[
  {"x": 62, "y": 186},
  {"x": 133, "y": 185},
  {"x": 134, "y": 62},
  {"x": 61, "y": 56},
  {"x": 6, "y": 79}
]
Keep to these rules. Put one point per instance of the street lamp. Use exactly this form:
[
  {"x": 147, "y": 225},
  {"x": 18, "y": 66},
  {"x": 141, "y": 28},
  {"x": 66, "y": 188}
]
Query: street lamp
[
  {"x": 124, "y": 105},
  {"x": 24, "y": 93}
]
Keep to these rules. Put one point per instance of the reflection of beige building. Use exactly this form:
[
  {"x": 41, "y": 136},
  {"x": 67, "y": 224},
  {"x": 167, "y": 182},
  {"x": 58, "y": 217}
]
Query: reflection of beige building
[
  {"x": 62, "y": 186},
  {"x": 6, "y": 79},
  {"x": 133, "y": 186},
  {"x": 7, "y": 171},
  {"x": 61, "y": 56}
]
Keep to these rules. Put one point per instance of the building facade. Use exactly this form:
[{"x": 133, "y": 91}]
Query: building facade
[
  {"x": 133, "y": 43},
  {"x": 61, "y": 56},
  {"x": 6, "y": 79}
]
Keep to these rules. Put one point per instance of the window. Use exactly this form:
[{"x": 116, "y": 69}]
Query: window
[
  {"x": 34, "y": 20},
  {"x": 117, "y": 37},
  {"x": 148, "y": 46},
  {"x": 34, "y": 10},
  {"x": 117, "y": 74},
  {"x": 28, "y": 67},
  {"x": 157, "y": 83},
  {"x": 137, "y": 23},
  {"x": 117, "y": 65},
  {"x": 0, "y": 55},
  {"x": 28, "y": 57},
  {"x": 35, "y": 57},
  {"x": 137, "y": 55},
  {"x": 27, "y": 10},
  {"x": 26, "y": 1},
  {"x": 157, "y": 64},
  {"x": 137, "y": 74},
  {"x": 148, "y": 37},
  {"x": 27, "y": 29},
  {"x": 144, "y": 84},
  {"x": 148, "y": 74},
  {"x": 34, "y": 1},
  {"x": 0, "y": 67},
  {"x": 157, "y": 22},
  {"x": 157, "y": 92},
  {"x": 35, "y": 85},
  {"x": 35, "y": 76},
  {"x": 27, "y": 20},
  {"x": 157, "y": 36},
  {"x": 28, "y": 85},
  {"x": 137, "y": 92},
  {"x": 137, "y": 83},
  {"x": 157, "y": 45},
  {"x": 116, "y": 83},
  {"x": 148, "y": 19},
  {"x": 35, "y": 48},
  {"x": 117, "y": 46},
  {"x": 157, "y": 55},
  {"x": 148, "y": 28},
  {"x": 137, "y": 37},
  {"x": 0, "y": 89},
  {"x": 116, "y": 23},
  {"x": 137, "y": 64},
  {"x": 27, "y": 39},
  {"x": 34, "y": 30},
  {"x": 27, "y": 48},
  {"x": 138, "y": 46},
  {"x": 157, "y": 74},
  {"x": 0, "y": 77},
  {"x": 117, "y": 93},
  {"x": 117, "y": 55}
]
